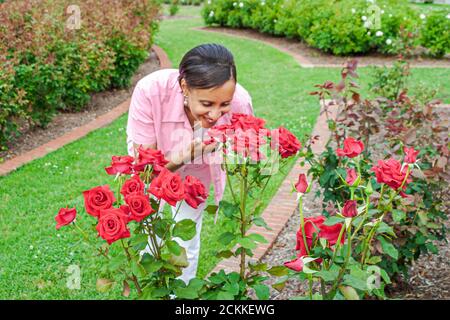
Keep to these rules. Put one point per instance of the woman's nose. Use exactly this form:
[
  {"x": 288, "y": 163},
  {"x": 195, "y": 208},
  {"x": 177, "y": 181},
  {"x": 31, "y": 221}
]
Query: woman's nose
[{"x": 215, "y": 114}]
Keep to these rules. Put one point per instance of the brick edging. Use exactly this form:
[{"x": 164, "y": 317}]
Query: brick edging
[
  {"x": 79, "y": 132},
  {"x": 284, "y": 203}
]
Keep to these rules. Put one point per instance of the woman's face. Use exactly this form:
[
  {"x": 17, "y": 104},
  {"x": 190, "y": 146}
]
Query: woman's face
[{"x": 208, "y": 105}]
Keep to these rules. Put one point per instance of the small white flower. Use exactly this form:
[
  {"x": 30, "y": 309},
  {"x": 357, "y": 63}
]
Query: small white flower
[
  {"x": 31, "y": 247},
  {"x": 369, "y": 33},
  {"x": 388, "y": 41},
  {"x": 234, "y": 4},
  {"x": 364, "y": 18},
  {"x": 35, "y": 257},
  {"x": 422, "y": 16},
  {"x": 379, "y": 33},
  {"x": 382, "y": 11},
  {"x": 367, "y": 24},
  {"x": 448, "y": 16},
  {"x": 263, "y": 3},
  {"x": 241, "y": 4},
  {"x": 275, "y": 20},
  {"x": 209, "y": 1},
  {"x": 353, "y": 10},
  {"x": 58, "y": 235},
  {"x": 211, "y": 14}
]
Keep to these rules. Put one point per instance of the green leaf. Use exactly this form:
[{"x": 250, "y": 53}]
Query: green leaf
[
  {"x": 280, "y": 285},
  {"x": 388, "y": 248},
  {"x": 139, "y": 242},
  {"x": 150, "y": 264},
  {"x": 327, "y": 275},
  {"x": 257, "y": 237},
  {"x": 173, "y": 247},
  {"x": 349, "y": 293},
  {"x": 333, "y": 220},
  {"x": 228, "y": 208},
  {"x": 258, "y": 266},
  {"x": 184, "y": 229},
  {"x": 161, "y": 226},
  {"x": 262, "y": 291},
  {"x": 226, "y": 238},
  {"x": 278, "y": 271},
  {"x": 232, "y": 288},
  {"x": 384, "y": 228},
  {"x": 374, "y": 260},
  {"x": 247, "y": 243},
  {"x": 355, "y": 282},
  {"x": 116, "y": 262},
  {"x": 224, "y": 254},
  {"x": 211, "y": 209},
  {"x": 224, "y": 295},
  {"x": 179, "y": 260},
  {"x": 137, "y": 268},
  {"x": 259, "y": 221},
  {"x": 398, "y": 215}
]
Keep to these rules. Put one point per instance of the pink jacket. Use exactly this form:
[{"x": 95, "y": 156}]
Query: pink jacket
[{"x": 157, "y": 115}]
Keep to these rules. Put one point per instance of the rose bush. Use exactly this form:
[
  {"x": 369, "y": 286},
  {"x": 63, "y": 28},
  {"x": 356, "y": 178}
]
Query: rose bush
[{"x": 151, "y": 258}]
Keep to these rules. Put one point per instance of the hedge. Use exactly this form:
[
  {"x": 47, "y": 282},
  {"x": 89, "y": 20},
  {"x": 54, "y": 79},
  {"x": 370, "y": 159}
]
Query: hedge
[
  {"x": 48, "y": 64},
  {"x": 340, "y": 27}
]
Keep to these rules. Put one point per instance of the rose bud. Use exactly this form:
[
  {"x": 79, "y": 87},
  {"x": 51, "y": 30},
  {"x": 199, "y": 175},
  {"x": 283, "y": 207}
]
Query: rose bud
[
  {"x": 302, "y": 184},
  {"x": 410, "y": 155},
  {"x": 65, "y": 216},
  {"x": 350, "y": 209}
]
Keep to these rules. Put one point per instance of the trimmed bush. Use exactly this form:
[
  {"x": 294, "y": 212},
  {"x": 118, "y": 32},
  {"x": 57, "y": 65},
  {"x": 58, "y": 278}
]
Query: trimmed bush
[
  {"x": 50, "y": 64},
  {"x": 341, "y": 27}
]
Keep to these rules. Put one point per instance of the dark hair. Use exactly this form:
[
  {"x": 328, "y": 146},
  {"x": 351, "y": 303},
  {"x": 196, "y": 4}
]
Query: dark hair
[{"x": 207, "y": 66}]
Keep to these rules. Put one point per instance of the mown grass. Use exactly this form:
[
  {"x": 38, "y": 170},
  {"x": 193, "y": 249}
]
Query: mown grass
[{"x": 34, "y": 257}]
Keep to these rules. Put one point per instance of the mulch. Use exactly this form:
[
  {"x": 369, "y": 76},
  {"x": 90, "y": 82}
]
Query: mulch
[{"x": 64, "y": 122}]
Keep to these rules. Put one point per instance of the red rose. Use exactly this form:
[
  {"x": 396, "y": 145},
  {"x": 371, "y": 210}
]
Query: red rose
[
  {"x": 123, "y": 165},
  {"x": 112, "y": 225},
  {"x": 132, "y": 185},
  {"x": 390, "y": 172},
  {"x": 168, "y": 186},
  {"x": 410, "y": 155},
  {"x": 296, "y": 264},
  {"x": 247, "y": 143},
  {"x": 152, "y": 157},
  {"x": 350, "y": 209},
  {"x": 139, "y": 206},
  {"x": 195, "y": 192},
  {"x": 351, "y": 176},
  {"x": 221, "y": 132},
  {"x": 288, "y": 144},
  {"x": 330, "y": 233},
  {"x": 245, "y": 122},
  {"x": 98, "y": 198},
  {"x": 302, "y": 183},
  {"x": 65, "y": 216},
  {"x": 352, "y": 148}
]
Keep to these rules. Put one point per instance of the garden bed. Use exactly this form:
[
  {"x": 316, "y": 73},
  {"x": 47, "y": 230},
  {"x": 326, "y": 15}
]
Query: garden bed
[
  {"x": 429, "y": 276},
  {"x": 100, "y": 103}
]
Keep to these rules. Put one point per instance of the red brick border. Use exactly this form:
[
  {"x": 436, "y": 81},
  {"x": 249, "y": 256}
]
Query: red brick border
[
  {"x": 79, "y": 132},
  {"x": 284, "y": 203}
]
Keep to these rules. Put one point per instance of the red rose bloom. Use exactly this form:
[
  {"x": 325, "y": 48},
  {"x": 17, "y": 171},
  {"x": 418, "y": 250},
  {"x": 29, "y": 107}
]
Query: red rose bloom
[
  {"x": 389, "y": 172},
  {"x": 352, "y": 148},
  {"x": 410, "y": 155},
  {"x": 296, "y": 264},
  {"x": 288, "y": 144},
  {"x": 139, "y": 206},
  {"x": 221, "y": 132},
  {"x": 351, "y": 176},
  {"x": 330, "y": 233},
  {"x": 302, "y": 184},
  {"x": 98, "y": 198},
  {"x": 132, "y": 185},
  {"x": 65, "y": 216},
  {"x": 112, "y": 225},
  {"x": 195, "y": 192},
  {"x": 350, "y": 209},
  {"x": 168, "y": 186},
  {"x": 245, "y": 122},
  {"x": 123, "y": 165},
  {"x": 247, "y": 143},
  {"x": 152, "y": 157}
]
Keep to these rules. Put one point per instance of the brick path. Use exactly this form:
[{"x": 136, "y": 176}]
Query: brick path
[{"x": 79, "y": 132}]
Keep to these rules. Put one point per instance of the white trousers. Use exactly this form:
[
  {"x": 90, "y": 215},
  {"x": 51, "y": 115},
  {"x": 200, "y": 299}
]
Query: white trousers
[{"x": 192, "y": 246}]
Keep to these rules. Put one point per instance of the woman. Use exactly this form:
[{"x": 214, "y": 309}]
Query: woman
[{"x": 171, "y": 110}]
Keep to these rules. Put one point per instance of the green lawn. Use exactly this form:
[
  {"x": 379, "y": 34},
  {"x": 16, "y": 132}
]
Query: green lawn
[{"x": 34, "y": 257}]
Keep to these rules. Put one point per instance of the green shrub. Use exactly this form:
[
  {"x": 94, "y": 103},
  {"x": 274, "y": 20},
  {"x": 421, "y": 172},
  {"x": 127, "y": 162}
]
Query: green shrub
[{"x": 435, "y": 33}]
